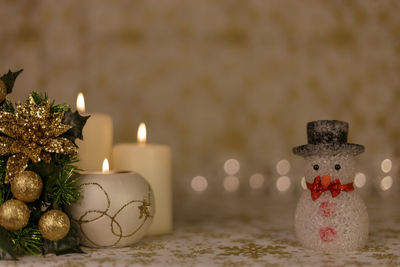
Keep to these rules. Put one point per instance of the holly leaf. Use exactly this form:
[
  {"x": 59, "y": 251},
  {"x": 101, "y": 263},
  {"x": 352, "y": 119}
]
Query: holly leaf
[
  {"x": 6, "y": 250},
  {"x": 69, "y": 244},
  {"x": 9, "y": 79},
  {"x": 77, "y": 122}
]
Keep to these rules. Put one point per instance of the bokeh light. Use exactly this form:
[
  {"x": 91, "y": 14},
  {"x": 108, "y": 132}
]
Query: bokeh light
[
  {"x": 360, "y": 179},
  {"x": 256, "y": 181},
  {"x": 386, "y": 183},
  {"x": 199, "y": 183},
  {"x": 232, "y": 166},
  {"x": 283, "y": 183},
  {"x": 231, "y": 183},
  {"x": 283, "y": 167},
  {"x": 386, "y": 165}
]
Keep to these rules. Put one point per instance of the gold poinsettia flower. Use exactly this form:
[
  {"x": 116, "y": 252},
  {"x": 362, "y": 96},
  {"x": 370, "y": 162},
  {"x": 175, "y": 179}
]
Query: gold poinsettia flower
[{"x": 32, "y": 133}]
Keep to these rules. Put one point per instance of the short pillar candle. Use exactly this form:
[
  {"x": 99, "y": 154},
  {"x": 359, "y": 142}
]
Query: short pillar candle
[{"x": 154, "y": 163}]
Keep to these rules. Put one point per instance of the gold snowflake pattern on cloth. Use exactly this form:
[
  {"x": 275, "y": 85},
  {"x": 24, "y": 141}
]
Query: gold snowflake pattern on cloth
[
  {"x": 32, "y": 133},
  {"x": 253, "y": 250}
]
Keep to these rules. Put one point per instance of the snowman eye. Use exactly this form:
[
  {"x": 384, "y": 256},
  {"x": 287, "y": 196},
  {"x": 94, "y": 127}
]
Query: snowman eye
[
  {"x": 337, "y": 167},
  {"x": 316, "y": 167}
]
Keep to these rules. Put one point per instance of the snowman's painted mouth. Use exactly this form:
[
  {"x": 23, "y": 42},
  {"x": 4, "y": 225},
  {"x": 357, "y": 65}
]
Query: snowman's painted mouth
[{"x": 319, "y": 186}]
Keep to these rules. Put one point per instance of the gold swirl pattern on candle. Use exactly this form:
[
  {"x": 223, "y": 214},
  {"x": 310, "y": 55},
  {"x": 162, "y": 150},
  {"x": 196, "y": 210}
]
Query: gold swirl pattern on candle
[{"x": 144, "y": 209}]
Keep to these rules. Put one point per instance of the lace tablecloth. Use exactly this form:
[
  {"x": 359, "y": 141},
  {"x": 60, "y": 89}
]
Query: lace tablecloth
[{"x": 259, "y": 236}]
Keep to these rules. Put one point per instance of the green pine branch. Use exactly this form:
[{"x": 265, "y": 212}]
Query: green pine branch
[
  {"x": 27, "y": 240},
  {"x": 39, "y": 98},
  {"x": 7, "y": 106},
  {"x": 65, "y": 192}
]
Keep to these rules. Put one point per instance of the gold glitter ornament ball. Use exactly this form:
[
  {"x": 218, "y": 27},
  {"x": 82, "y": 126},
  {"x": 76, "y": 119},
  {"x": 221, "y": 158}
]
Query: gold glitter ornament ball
[
  {"x": 27, "y": 186},
  {"x": 54, "y": 225},
  {"x": 3, "y": 91},
  {"x": 14, "y": 214}
]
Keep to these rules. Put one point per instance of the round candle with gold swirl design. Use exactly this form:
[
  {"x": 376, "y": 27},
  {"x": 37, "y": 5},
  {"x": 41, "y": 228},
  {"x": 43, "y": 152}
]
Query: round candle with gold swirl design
[{"x": 116, "y": 208}]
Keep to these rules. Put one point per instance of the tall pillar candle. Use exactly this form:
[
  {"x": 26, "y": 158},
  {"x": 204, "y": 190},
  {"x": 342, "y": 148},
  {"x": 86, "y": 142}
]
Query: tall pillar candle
[
  {"x": 154, "y": 163},
  {"x": 97, "y": 138}
]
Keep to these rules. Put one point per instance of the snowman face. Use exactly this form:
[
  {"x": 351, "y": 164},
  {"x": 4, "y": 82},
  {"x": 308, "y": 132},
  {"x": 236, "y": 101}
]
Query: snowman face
[{"x": 337, "y": 167}]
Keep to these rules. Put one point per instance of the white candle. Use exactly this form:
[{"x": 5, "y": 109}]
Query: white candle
[
  {"x": 97, "y": 138},
  {"x": 124, "y": 196},
  {"x": 154, "y": 163}
]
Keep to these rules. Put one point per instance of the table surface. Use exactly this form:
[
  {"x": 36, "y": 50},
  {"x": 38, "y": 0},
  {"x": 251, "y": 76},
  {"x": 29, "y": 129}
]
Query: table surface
[{"x": 262, "y": 235}]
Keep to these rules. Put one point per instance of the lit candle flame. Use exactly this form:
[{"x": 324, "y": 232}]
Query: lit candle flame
[
  {"x": 106, "y": 166},
  {"x": 80, "y": 103},
  {"x": 141, "y": 133}
]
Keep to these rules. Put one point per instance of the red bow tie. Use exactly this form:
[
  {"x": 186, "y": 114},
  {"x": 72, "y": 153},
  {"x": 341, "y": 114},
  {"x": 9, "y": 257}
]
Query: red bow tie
[{"x": 317, "y": 188}]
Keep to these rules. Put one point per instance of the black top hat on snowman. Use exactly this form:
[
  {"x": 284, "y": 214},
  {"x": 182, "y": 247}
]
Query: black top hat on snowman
[{"x": 327, "y": 137}]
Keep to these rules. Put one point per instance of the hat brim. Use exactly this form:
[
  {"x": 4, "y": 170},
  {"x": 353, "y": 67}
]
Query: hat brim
[{"x": 328, "y": 149}]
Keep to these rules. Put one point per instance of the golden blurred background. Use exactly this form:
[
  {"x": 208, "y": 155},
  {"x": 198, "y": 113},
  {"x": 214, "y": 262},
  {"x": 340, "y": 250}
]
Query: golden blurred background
[{"x": 217, "y": 79}]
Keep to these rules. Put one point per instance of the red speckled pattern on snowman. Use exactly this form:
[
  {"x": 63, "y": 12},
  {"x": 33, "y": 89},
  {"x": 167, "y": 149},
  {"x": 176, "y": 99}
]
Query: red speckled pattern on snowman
[
  {"x": 326, "y": 209},
  {"x": 327, "y": 234}
]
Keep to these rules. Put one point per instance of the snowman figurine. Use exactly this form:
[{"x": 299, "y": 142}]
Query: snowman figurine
[{"x": 330, "y": 215}]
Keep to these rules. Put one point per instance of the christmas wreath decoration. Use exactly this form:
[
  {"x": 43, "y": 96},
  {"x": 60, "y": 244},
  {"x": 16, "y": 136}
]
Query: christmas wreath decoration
[{"x": 37, "y": 181}]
